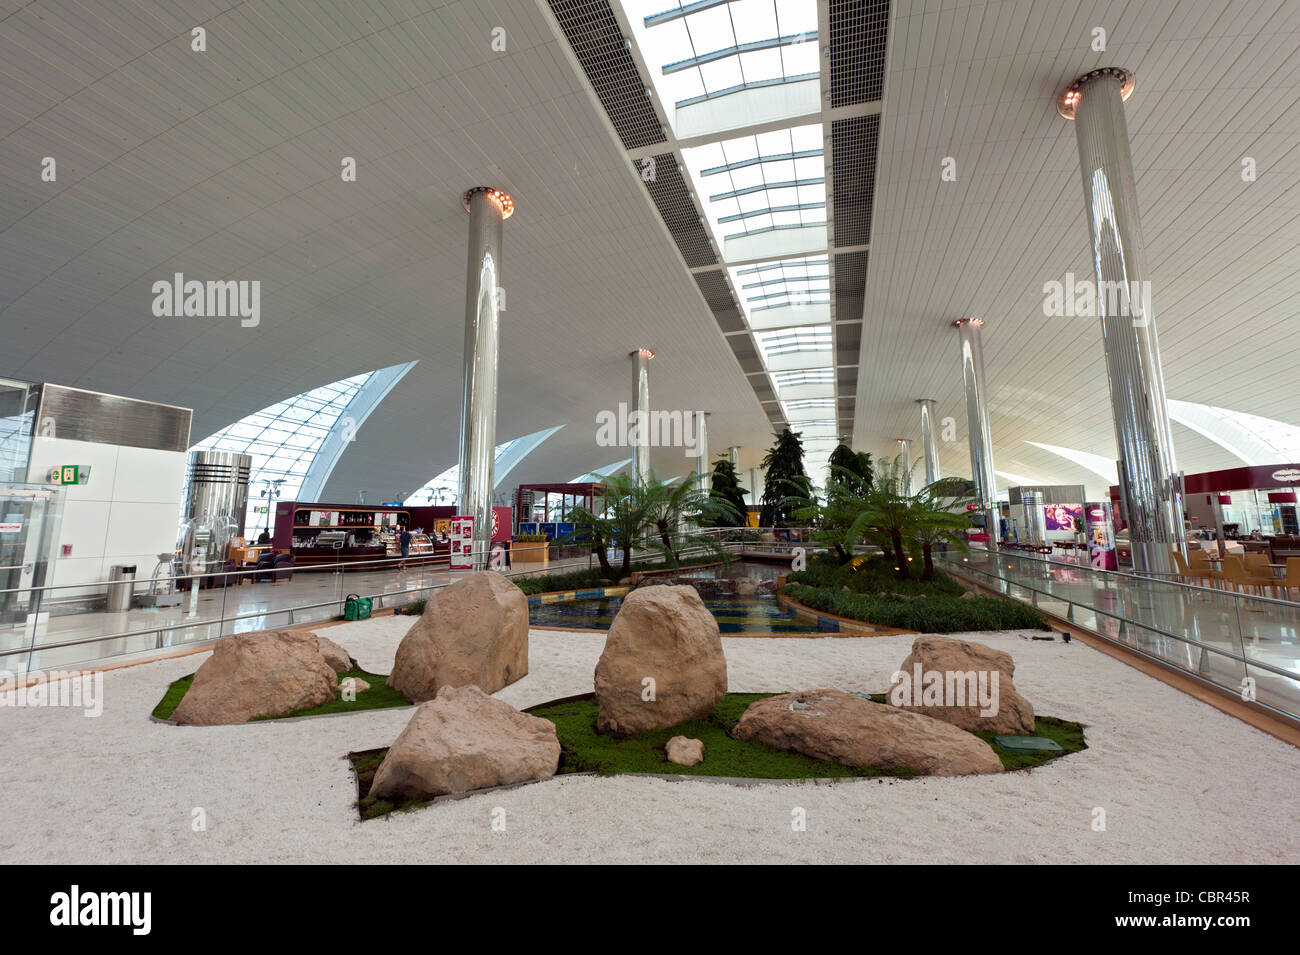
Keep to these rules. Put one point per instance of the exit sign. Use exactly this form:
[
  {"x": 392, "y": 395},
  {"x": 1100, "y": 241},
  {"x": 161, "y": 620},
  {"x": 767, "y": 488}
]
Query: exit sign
[{"x": 70, "y": 474}]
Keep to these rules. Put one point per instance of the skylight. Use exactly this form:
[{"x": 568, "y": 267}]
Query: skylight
[
  {"x": 785, "y": 291},
  {"x": 698, "y": 51},
  {"x": 762, "y": 182}
]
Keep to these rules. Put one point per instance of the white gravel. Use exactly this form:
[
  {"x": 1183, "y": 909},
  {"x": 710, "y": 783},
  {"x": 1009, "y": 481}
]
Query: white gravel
[{"x": 1179, "y": 781}]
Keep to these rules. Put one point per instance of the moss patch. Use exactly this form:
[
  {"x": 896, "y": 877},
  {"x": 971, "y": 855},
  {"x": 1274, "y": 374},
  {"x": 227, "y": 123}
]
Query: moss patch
[
  {"x": 379, "y": 696},
  {"x": 583, "y": 750}
]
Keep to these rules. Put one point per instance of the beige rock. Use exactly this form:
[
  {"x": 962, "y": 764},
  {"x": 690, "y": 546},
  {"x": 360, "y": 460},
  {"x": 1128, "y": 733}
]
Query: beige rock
[
  {"x": 684, "y": 751},
  {"x": 667, "y": 635},
  {"x": 474, "y": 632},
  {"x": 338, "y": 658},
  {"x": 949, "y": 658},
  {"x": 746, "y": 588},
  {"x": 354, "y": 684},
  {"x": 466, "y": 740},
  {"x": 264, "y": 673},
  {"x": 838, "y": 726}
]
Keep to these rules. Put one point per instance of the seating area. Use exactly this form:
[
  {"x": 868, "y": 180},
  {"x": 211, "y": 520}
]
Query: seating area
[{"x": 1241, "y": 573}]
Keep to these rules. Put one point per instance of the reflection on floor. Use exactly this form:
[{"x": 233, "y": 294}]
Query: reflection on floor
[{"x": 256, "y": 606}]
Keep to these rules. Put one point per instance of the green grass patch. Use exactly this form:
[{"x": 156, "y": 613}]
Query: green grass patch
[
  {"x": 379, "y": 696},
  {"x": 1066, "y": 734},
  {"x": 583, "y": 750}
]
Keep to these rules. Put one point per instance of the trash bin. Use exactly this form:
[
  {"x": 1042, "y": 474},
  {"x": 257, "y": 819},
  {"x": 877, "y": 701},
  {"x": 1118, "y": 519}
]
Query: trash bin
[{"x": 121, "y": 585}]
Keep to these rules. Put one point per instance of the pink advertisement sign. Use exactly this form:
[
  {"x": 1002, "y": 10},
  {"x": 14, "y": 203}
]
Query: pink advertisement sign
[{"x": 1060, "y": 517}]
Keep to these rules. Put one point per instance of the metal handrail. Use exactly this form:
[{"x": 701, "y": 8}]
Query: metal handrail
[
  {"x": 1154, "y": 578},
  {"x": 961, "y": 567},
  {"x": 220, "y": 621}
]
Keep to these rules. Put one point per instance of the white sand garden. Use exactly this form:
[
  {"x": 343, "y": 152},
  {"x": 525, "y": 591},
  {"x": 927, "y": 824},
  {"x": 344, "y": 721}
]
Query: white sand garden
[{"x": 1178, "y": 781}]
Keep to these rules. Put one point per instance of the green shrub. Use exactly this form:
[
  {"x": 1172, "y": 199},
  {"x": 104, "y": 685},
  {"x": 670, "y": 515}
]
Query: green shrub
[
  {"x": 871, "y": 575},
  {"x": 933, "y": 613}
]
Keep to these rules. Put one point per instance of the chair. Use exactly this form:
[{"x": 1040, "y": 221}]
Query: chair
[
  {"x": 1197, "y": 566},
  {"x": 1292, "y": 579},
  {"x": 1238, "y": 575}
]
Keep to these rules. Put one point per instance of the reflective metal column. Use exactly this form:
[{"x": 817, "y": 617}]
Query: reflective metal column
[
  {"x": 905, "y": 459},
  {"x": 929, "y": 445},
  {"x": 733, "y": 455},
  {"x": 1148, "y": 475},
  {"x": 702, "y": 466},
  {"x": 977, "y": 425},
  {"x": 641, "y": 413},
  {"x": 488, "y": 209}
]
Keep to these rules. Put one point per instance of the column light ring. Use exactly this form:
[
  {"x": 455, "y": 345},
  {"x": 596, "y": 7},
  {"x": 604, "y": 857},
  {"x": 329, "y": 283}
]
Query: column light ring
[
  {"x": 502, "y": 199},
  {"x": 1068, "y": 101}
]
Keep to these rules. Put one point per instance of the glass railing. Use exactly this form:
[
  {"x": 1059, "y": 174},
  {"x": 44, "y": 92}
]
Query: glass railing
[
  {"x": 45, "y": 631},
  {"x": 1245, "y": 644}
]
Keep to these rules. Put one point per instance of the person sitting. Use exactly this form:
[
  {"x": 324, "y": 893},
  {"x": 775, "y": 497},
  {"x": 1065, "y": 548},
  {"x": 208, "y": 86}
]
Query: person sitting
[{"x": 263, "y": 539}]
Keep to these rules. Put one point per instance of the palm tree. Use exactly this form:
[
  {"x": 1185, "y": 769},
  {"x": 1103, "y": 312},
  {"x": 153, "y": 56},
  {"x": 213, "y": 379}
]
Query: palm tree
[
  {"x": 621, "y": 522},
  {"x": 939, "y": 515},
  {"x": 673, "y": 506}
]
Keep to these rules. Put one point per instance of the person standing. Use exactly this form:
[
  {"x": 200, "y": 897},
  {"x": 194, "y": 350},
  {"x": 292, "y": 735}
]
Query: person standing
[{"x": 406, "y": 545}]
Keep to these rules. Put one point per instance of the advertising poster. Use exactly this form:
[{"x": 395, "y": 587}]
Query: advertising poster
[
  {"x": 462, "y": 543},
  {"x": 1060, "y": 517},
  {"x": 502, "y": 521},
  {"x": 1101, "y": 543}
]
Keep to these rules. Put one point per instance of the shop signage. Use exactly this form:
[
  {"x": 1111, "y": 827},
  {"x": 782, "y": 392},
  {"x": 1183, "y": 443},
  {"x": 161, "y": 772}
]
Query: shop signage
[
  {"x": 1289, "y": 475},
  {"x": 10, "y": 528},
  {"x": 462, "y": 543},
  {"x": 70, "y": 474}
]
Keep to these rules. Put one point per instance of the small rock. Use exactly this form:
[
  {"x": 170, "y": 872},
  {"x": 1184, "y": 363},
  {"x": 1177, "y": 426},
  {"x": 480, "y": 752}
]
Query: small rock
[
  {"x": 354, "y": 684},
  {"x": 684, "y": 751}
]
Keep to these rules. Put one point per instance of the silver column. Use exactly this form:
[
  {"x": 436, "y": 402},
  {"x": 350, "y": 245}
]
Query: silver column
[
  {"x": 929, "y": 445},
  {"x": 905, "y": 459},
  {"x": 1148, "y": 475},
  {"x": 977, "y": 425},
  {"x": 641, "y": 413},
  {"x": 733, "y": 455},
  {"x": 702, "y": 466},
  {"x": 488, "y": 209},
  {"x": 216, "y": 484}
]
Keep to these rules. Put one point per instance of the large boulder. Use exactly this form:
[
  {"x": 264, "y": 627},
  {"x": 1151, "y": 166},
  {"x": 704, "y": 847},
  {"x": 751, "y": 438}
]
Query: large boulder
[
  {"x": 265, "y": 673},
  {"x": 963, "y": 683},
  {"x": 474, "y": 632},
  {"x": 466, "y": 740},
  {"x": 853, "y": 731},
  {"x": 667, "y": 635},
  {"x": 338, "y": 658}
]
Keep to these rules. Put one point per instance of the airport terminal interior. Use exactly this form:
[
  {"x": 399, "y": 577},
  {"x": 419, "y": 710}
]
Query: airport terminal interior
[{"x": 672, "y": 431}]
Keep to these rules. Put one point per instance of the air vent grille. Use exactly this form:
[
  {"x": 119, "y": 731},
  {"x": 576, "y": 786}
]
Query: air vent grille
[
  {"x": 853, "y": 164},
  {"x": 597, "y": 41},
  {"x": 858, "y": 40}
]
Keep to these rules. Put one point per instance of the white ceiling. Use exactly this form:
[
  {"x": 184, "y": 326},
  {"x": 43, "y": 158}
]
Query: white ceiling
[
  {"x": 1217, "y": 80},
  {"x": 225, "y": 164}
]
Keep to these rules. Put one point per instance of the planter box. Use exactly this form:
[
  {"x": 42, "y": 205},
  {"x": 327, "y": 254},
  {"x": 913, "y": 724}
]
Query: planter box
[{"x": 529, "y": 555}]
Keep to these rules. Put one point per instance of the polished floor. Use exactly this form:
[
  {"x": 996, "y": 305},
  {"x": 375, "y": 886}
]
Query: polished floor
[{"x": 307, "y": 597}]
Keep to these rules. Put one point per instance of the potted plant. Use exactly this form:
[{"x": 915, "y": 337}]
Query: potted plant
[{"x": 529, "y": 551}]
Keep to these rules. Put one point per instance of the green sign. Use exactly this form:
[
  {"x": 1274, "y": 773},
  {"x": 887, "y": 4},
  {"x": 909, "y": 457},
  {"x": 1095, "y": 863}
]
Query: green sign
[{"x": 70, "y": 474}]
